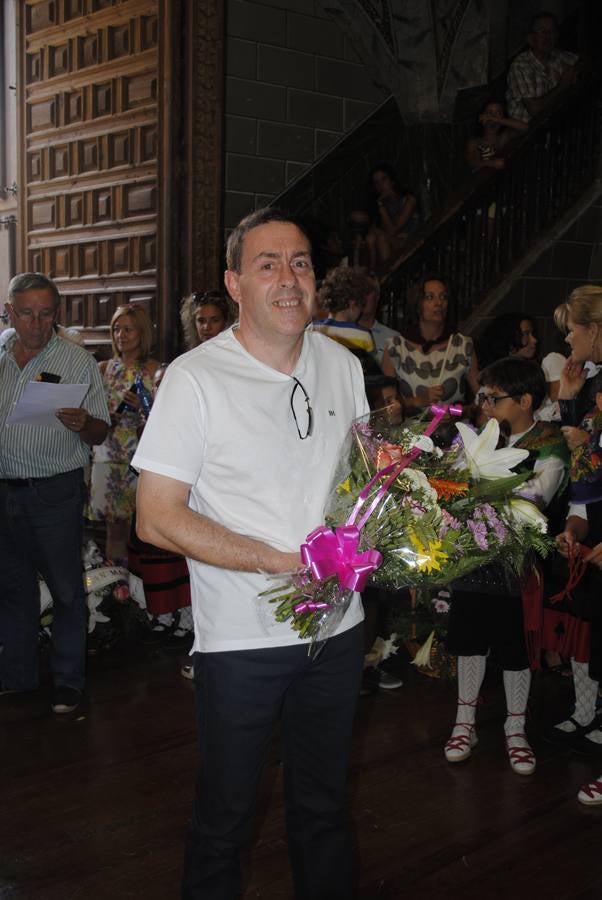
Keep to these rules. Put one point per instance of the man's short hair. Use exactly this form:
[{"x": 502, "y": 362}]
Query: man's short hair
[
  {"x": 516, "y": 376},
  {"x": 30, "y": 281},
  {"x": 254, "y": 220},
  {"x": 539, "y": 16}
]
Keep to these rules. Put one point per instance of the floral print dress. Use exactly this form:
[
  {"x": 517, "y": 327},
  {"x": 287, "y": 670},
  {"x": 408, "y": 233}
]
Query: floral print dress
[{"x": 112, "y": 484}]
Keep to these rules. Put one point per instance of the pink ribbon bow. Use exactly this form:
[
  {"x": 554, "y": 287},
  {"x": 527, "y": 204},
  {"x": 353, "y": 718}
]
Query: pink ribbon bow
[
  {"x": 311, "y": 606},
  {"x": 328, "y": 552}
]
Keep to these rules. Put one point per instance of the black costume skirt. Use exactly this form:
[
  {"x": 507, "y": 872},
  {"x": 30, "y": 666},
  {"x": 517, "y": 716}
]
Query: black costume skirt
[{"x": 486, "y": 615}]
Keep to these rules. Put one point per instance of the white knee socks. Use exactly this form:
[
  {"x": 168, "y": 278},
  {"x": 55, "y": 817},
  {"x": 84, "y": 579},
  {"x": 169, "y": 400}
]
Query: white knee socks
[
  {"x": 586, "y": 693},
  {"x": 516, "y": 686},
  {"x": 471, "y": 671}
]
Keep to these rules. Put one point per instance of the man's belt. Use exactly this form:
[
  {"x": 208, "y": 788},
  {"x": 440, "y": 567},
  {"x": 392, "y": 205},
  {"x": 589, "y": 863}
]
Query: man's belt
[{"x": 24, "y": 482}]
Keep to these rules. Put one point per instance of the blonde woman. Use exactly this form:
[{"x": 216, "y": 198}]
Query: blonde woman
[
  {"x": 126, "y": 375},
  {"x": 579, "y": 393}
]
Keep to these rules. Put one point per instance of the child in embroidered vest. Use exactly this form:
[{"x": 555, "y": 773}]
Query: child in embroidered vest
[{"x": 511, "y": 390}]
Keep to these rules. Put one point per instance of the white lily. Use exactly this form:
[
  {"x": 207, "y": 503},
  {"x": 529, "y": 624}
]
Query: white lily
[
  {"x": 423, "y": 656},
  {"x": 526, "y": 513},
  {"x": 424, "y": 443},
  {"x": 482, "y": 458}
]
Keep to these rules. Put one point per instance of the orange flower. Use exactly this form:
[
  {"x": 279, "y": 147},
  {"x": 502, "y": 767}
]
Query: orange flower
[{"x": 448, "y": 489}]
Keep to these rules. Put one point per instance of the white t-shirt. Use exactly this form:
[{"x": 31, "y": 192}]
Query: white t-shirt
[
  {"x": 222, "y": 422},
  {"x": 552, "y": 366}
]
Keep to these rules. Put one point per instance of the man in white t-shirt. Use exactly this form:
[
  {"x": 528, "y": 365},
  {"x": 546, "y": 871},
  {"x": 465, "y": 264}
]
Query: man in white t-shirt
[{"x": 237, "y": 461}]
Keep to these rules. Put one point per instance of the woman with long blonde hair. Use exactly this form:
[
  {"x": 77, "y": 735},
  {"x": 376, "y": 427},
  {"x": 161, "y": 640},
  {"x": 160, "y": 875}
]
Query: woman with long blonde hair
[
  {"x": 126, "y": 376},
  {"x": 580, "y": 400}
]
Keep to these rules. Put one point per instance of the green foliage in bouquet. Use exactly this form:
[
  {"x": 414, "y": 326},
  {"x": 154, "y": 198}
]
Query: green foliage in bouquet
[
  {"x": 434, "y": 516},
  {"x": 437, "y": 522}
]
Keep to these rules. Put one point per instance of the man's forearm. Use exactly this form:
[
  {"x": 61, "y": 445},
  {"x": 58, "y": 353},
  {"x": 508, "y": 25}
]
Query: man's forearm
[
  {"x": 176, "y": 527},
  {"x": 535, "y": 105}
]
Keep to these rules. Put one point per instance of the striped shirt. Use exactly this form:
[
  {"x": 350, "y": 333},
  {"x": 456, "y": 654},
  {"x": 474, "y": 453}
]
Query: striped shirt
[
  {"x": 37, "y": 451},
  {"x": 528, "y": 77},
  {"x": 349, "y": 334}
]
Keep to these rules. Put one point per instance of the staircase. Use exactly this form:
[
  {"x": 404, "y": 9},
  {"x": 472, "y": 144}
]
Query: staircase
[
  {"x": 487, "y": 232},
  {"x": 498, "y": 222}
]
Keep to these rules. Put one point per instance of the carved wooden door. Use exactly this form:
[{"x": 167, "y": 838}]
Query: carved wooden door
[{"x": 90, "y": 172}]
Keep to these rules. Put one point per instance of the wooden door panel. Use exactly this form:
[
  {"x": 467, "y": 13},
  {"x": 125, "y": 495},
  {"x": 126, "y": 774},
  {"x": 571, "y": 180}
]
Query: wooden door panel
[{"x": 90, "y": 167}]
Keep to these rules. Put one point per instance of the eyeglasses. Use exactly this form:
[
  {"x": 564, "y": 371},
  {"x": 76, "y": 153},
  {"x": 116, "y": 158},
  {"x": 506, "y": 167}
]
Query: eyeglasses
[
  {"x": 303, "y": 433},
  {"x": 28, "y": 315},
  {"x": 202, "y": 297},
  {"x": 490, "y": 399}
]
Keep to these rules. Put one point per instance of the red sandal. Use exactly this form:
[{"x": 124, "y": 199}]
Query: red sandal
[
  {"x": 522, "y": 759},
  {"x": 591, "y": 794},
  {"x": 459, "y": 746}
]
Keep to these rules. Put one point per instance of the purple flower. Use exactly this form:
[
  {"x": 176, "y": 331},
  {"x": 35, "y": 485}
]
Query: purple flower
[
  {"x": 448, "y": 521},
  {"x": 479, "y": 533},
  {"x": 501, "y": 532},
  {"x": 493, "y": 520}
]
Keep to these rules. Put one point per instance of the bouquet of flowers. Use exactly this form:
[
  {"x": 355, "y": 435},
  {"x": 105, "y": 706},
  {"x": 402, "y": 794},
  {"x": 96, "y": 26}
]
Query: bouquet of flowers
[{"x": 404, "y": 513}]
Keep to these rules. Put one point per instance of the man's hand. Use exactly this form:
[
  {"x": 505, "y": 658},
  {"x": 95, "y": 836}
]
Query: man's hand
[
  {"x": 90, "y": 430},
  {"x": 74, "y": 418},
  {"x": 291, "y": 562}
]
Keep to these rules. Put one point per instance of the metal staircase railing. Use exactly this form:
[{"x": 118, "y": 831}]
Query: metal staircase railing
[{"x": 499, "y": 215}]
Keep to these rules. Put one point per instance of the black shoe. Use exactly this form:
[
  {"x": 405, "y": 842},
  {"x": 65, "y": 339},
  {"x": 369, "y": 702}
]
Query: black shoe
[
  {"x": 389, "y": 682},
  {"x": 568, "y": 738},
  {"x": 584, "y": 747},
  {"x": 65, "y": 699}
]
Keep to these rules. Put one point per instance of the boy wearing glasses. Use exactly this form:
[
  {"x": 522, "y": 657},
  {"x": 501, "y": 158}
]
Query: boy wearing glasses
[{"x": 507, "y": 623}]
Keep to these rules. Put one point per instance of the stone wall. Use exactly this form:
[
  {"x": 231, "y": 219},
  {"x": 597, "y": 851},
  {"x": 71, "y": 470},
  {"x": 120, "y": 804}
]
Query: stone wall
[{"x": 294, "y": 86}]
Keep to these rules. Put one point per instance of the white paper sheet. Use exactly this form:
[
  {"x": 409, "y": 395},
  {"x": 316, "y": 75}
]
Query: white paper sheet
[{"x": 40, "y": 401}]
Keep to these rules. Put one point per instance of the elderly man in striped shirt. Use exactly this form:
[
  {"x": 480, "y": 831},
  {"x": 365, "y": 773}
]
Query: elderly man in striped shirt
[{"x": 42, "y": 495}]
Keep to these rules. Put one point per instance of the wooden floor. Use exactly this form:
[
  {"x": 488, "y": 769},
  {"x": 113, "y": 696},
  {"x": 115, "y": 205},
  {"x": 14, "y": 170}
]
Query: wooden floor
[{"x": 94, "y": 805}]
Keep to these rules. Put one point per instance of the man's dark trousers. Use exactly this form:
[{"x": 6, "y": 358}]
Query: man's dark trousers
[
  {"x": 240, "y": 695},
  {"x": 41, "y": 527}
]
